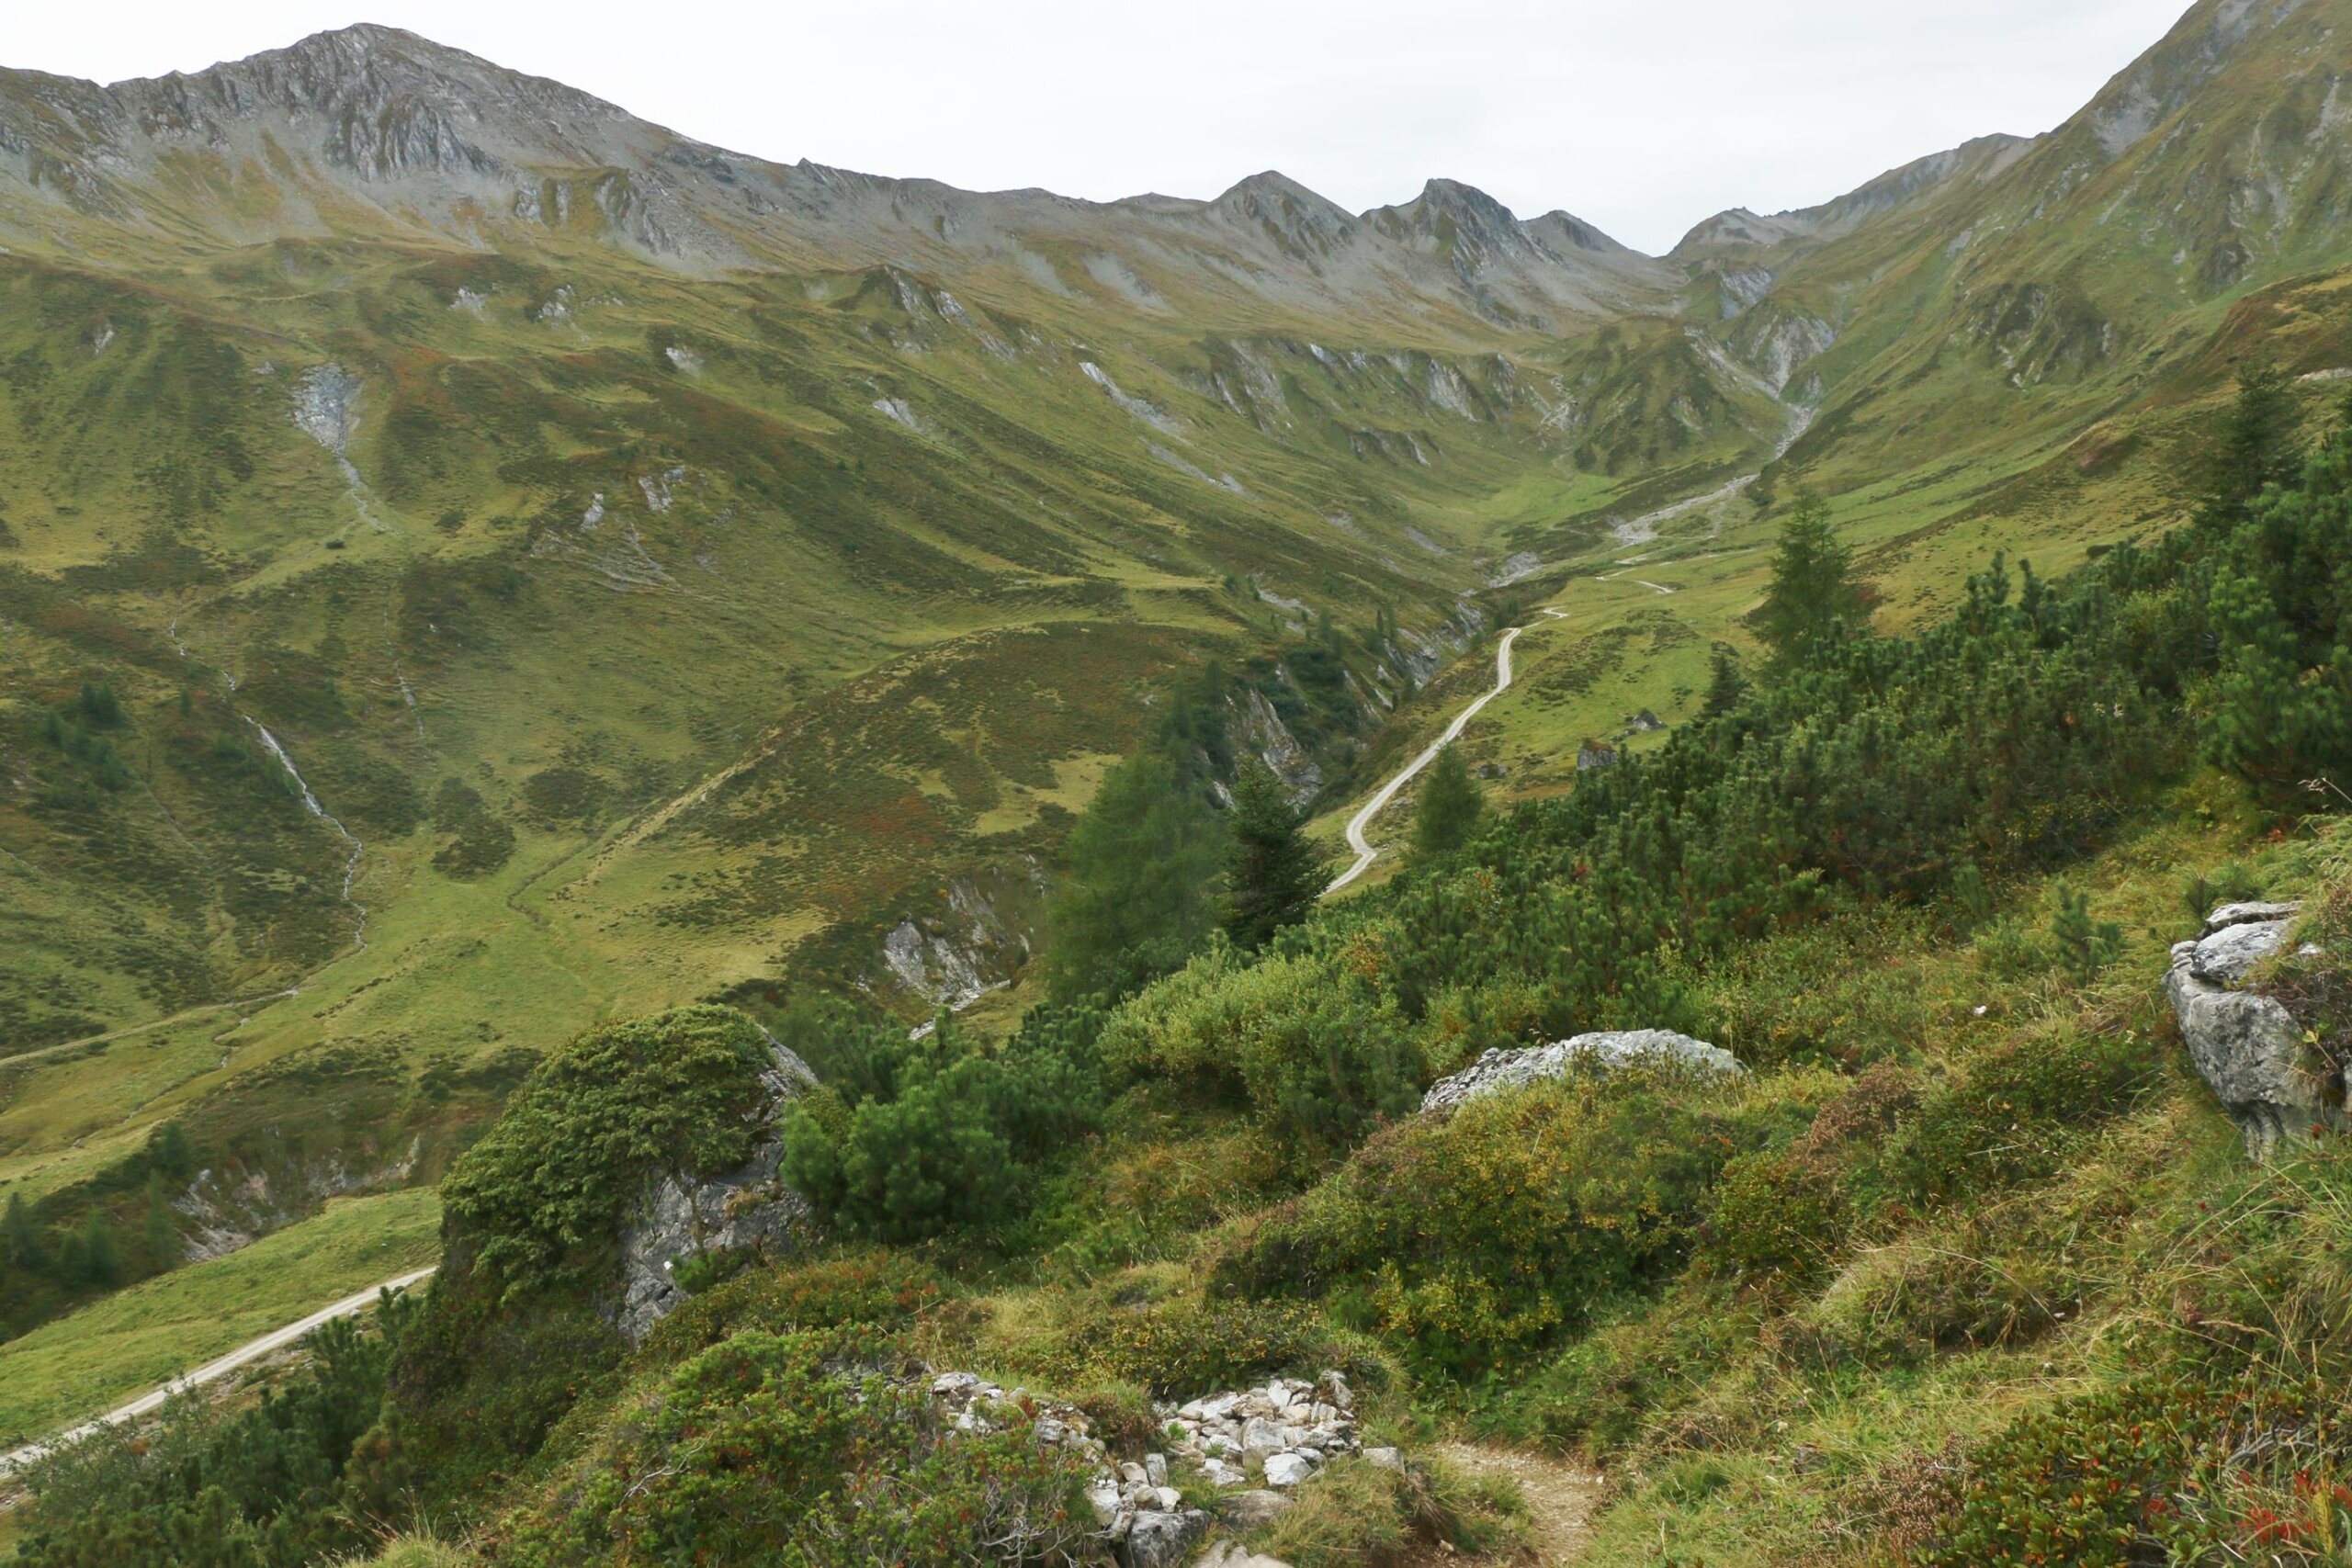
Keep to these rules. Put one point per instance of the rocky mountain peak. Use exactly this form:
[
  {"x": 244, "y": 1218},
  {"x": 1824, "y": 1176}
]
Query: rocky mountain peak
[{"x": 1300, "y": 221}]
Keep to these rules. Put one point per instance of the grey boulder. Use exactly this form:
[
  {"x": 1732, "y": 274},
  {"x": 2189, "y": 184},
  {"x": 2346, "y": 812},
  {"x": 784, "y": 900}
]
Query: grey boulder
[
  {"x": 1498, "y": 1072},
  {"x": 2245, "y": 1045},
  {"x": 1162, "y": 1540}
]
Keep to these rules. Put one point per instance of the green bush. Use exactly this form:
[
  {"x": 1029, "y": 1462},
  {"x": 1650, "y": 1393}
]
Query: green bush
[
  {"x": 1319, "y": 1059},
  {"x": 2163, "y": 1469},
  {"x": 539, "y": 1201},
  {"x": 1603, "y": 1391},
  {"x": 911, "y": 1138},
  {"x": 867, "y": 1290},
  {"x": 760, "y": 1451},
  {"x": 2017, "y": 1114},
  {"x": 1780, "y": 1216},
  {"x": 1181, "y": 1345},
  {"x": 1470, "y": 1241},
  {"x": 2084, "y": 947},
  {"x": 2232, "y": 882},
  {"x": 1360, "y": 1514},
  {"x": 2009, "y": 949},
  {"x": 208, "y": 1488},
  {"x": 480, "y": 1381}
]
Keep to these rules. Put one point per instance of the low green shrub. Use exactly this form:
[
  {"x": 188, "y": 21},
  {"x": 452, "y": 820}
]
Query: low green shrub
[
  {"x": 1179, "y": 1344},
  {"x": 1321, "y": 1059},
  {"x": 539, "y": 1201},
  {"x": 909, "y": 1139},
  {"x": 1360, "y": 1514},
  {"x": 1780, "y": 1217},
  {"x": 1470, "y": 1241},
  {"x": 2231, "y": 882},
  {"x": 1630, "y": 1367},
  {"x": 2019, "y": 1113},
  {"x": 872, "y": 1290},
  {"x": 765, "y": 1448},
  {"x": 482, "y": 1381},
  {"x": 207, "y": 1486},
  {"x": 2161, "y": 1469}
]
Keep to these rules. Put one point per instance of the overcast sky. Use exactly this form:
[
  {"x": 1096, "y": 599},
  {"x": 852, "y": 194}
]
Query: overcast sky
[{"x": 1640, "y": 118}]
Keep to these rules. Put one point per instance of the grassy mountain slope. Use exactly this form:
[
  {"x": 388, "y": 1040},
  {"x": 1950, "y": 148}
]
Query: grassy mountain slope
[{"x": 679, "y": 575}]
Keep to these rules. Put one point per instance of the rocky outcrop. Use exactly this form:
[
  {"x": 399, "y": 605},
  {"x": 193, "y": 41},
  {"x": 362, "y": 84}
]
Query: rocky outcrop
[
  {"x": 951, "y": 958},
  {"x": 1257, "y": 728},
  {"x": 1254, "y": 1445},
  {"x": 2246, "y": 1046},
  {"x": 1498, "y": 1072},
  {"x": 1283, "y": 1432},
  {"x": 747, "y": 1208}
]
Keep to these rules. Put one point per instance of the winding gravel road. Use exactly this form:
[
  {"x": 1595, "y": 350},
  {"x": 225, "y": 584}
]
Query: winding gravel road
[
  {"x": 211, "y": 1372},
  {"x": 1366, "y": 852}
]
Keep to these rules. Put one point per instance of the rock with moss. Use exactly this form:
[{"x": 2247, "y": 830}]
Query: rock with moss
[
  {"x": 1498, "y": 1072},
  {"x": 682, "y": 1216},
  {"x": 2249, "y": 1049}
]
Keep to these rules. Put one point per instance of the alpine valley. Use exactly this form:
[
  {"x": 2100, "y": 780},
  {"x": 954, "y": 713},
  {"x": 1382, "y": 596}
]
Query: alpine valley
[{"x": 737, "y": 754}]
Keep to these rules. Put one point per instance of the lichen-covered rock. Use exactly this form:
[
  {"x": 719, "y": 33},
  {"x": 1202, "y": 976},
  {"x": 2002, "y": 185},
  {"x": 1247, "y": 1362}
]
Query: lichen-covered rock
[
  {"x": 2245, "y": 1045},
  {"x": 1160, "y": 1539},
  {"x": 746, "y": 1207},
  {"x": 1498, "y": 1072}
]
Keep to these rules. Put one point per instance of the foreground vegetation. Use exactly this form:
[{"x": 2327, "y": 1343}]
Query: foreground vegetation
[{"x": 1966, "y": 1268}]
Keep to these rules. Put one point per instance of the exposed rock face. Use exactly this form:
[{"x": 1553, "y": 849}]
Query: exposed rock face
[
  {"x": 1498, "y": 1072},
  {"x": 2247, "y": 1046},
  {"x": 326, "y": 405},
  {"x": 951, "y": 959},
  {"x": 1260, "y": 731},
  {"x": 748, "y": 1207}
]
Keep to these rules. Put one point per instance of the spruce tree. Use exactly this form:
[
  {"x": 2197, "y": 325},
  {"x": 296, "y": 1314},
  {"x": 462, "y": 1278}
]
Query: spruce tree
[
  {"x": 1726, "y": 683},
  {"x": 170, "y": 1152},
  {"x": 160, "y": 1237},
  {"x": 1451, "y": 806},
  {"x": 101, "y": 1259},
  {"x": 1814, "y": 592},
  {"x": 1271, "y": 872},
  {"x": 2256, "y": 448},
  {"x": 1140, "y": 894},
  {"x": 18, "y": 1239}
]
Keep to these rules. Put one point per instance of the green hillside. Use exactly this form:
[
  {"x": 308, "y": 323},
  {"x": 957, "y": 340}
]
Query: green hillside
[{"x": 478, "y": 569}]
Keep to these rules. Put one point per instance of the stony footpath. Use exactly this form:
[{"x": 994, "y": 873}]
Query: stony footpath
[{"x": 1254, "y": 1445}]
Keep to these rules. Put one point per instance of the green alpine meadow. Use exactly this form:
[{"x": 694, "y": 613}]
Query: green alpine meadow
[{"x": 707, "y": 861}]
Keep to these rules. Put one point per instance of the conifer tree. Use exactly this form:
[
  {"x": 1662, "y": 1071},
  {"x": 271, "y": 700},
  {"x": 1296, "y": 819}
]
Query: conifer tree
[
  {"x": 2255, "y": 448},
  {"x": 1451, "y": 806},
  {"x": 18, "y": 1239},
  {"x": 1814, "y": 592},
  {"x": 170, "y": 1152},
  {"x": 1726, "y": 683},
  {"x": 98, "y": 1259},
  {"x": 1271, "y": 872},
  {"x": 1140, "y": 894},
  {"x": 159, "y": 1238}
]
